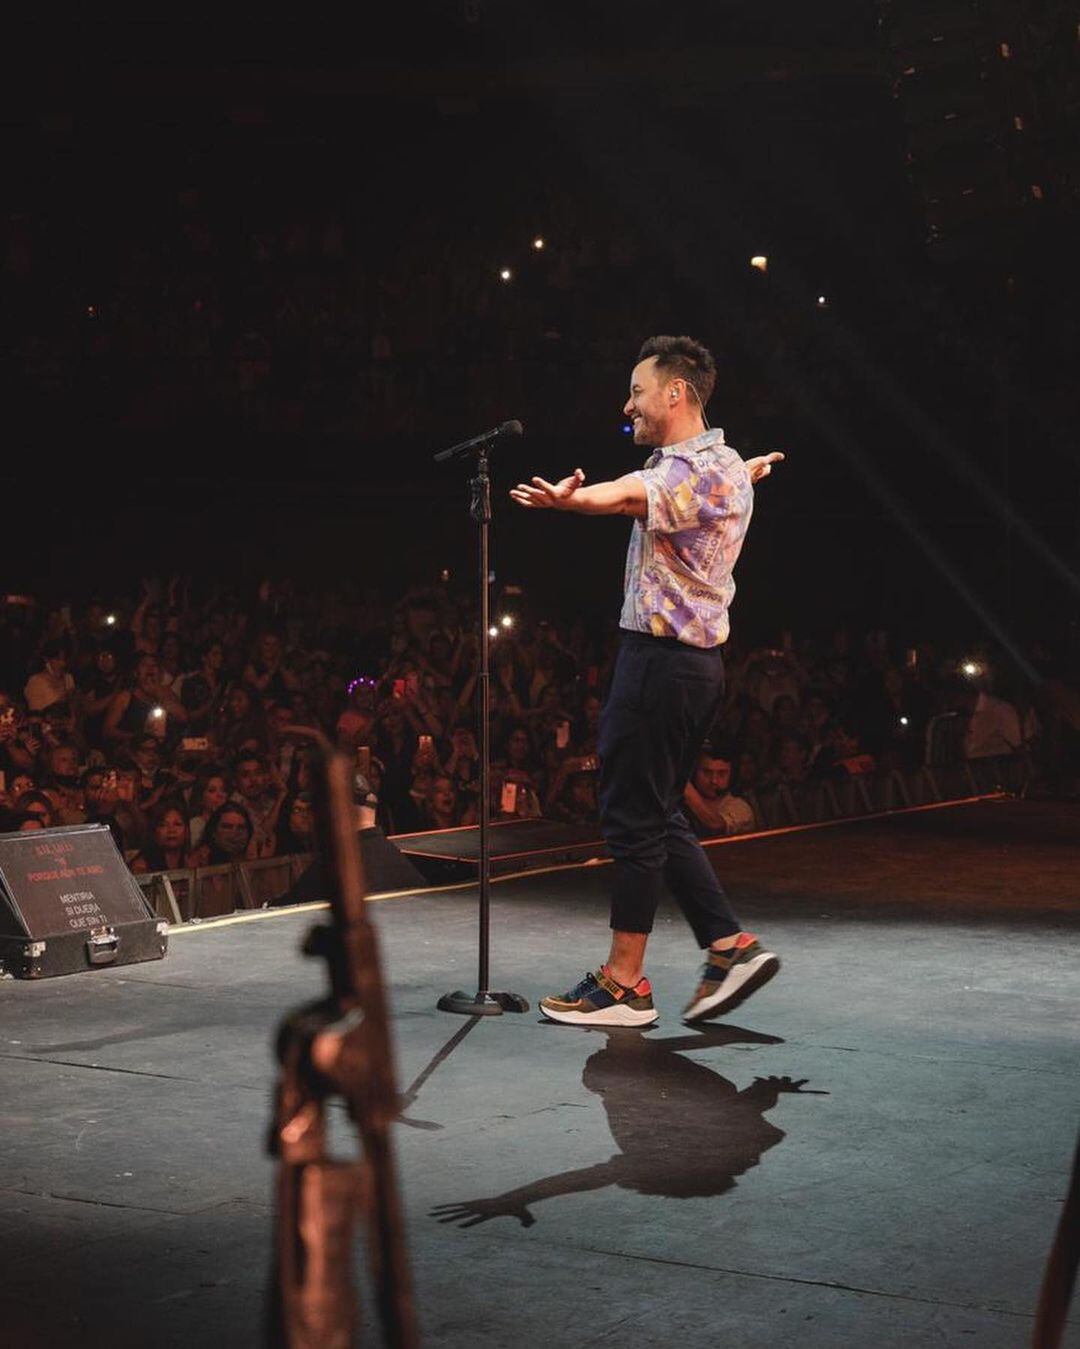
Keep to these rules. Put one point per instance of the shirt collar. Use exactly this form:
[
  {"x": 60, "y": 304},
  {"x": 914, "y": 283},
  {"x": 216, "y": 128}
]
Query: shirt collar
[{"x": 706, "y": 440}]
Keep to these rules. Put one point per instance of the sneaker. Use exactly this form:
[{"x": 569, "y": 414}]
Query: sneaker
[
  {"x": 729, "y": 977},
  {"x": 599, "y": 1001}
]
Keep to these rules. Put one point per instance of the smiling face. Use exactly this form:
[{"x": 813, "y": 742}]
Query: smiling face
[{"x": 649, "y": 405}]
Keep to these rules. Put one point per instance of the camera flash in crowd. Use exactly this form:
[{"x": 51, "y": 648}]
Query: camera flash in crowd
[
  {"x": 904, "y": 721},
  {"x": 760, "y": 262},
  {"x": 507, "y": 621},
  {"x": 493, "y": 632},
  {"x": 110, "y": 620},
  {"x": 538, "y": 242},
  {"x": 505, "y": 274},
  {"x": 971, "y": 668},
  {"x": 822, "y": 302},
  {"x": 157, "y": 713},
  {"x": 444, "y": 575}
]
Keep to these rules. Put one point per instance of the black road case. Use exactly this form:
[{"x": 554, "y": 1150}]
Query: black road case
[{"x": 69, "y": 903}]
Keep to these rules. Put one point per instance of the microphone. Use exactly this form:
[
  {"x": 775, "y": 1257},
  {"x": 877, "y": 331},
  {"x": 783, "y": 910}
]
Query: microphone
[{"x": 513, "y": 428}]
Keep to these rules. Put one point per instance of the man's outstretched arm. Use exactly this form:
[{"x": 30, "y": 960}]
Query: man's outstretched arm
[{"x": 624, "y": 496}]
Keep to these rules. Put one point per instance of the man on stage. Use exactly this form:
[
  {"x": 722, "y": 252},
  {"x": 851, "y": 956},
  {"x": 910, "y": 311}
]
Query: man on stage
[{"x": 691, "y": 506}]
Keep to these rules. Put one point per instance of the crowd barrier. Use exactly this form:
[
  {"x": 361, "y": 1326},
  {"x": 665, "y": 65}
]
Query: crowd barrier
[
  {"x": 874, "y": 793},
  {"x": 210, "y": 892}
]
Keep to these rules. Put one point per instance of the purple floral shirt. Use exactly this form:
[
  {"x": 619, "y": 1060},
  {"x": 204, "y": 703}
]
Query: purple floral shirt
[{"x": 681, "y": 557}]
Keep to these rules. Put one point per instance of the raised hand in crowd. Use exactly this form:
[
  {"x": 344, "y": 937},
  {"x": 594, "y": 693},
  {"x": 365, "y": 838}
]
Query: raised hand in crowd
[{"x": 420, "y": 708}]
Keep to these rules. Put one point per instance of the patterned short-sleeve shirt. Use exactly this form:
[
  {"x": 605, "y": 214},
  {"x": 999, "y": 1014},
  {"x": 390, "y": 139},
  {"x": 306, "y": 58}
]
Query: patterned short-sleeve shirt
[{"x": 679, "y": 565}]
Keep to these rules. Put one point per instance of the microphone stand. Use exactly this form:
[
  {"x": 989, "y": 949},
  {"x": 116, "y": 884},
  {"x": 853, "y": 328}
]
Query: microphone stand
[{"x": 485, "y": 1002}]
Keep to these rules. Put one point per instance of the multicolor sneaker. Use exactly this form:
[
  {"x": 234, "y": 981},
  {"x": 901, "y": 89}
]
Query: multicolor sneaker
[
  {"x": 729, "y": 977},
  {"x": 599, "y": 1001}
]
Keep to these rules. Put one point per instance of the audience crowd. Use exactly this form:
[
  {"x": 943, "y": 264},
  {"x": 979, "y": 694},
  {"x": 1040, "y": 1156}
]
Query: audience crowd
[
  {"x": 294, "y": 318},
  {"x": 185, "y": 722}
]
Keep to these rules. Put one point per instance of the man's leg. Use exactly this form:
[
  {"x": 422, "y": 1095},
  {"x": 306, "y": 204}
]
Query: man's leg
[
  {"x": 626, "y": 960},
  {"x": 696, "y": 887},
  {"x": 736, "y": 963},
  {"x": 632, "y": 820},
  {"x": 655, "y": 723},
  {"x": 635, "y": 769},
  {"x": 688, "y": 872}
]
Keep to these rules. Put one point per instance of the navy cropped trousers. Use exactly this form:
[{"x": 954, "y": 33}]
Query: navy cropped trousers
[{"x": 663, "y": 699}]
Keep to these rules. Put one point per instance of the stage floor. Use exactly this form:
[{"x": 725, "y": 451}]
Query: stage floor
[{"x": 667, "y": 1188}]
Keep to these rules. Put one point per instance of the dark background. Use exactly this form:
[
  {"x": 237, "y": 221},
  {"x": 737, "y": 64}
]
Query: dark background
[{"x": 928, "y": 410}]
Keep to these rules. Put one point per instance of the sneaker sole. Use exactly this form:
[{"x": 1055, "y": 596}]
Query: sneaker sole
[
  {"x": 751, "y": 976},
  {"x": 609, "y": 1016}
]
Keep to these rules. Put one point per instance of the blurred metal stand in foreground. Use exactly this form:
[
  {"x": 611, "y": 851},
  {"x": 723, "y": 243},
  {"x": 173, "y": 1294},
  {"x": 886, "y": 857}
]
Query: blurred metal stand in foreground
[
  {"x": 1061, "y": 1268},
  {"x": 337, "y": 1047}
]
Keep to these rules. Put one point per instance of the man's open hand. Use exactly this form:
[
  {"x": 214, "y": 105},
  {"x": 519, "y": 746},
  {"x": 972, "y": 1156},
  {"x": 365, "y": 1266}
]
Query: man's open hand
[
  {"x": 545, "y": 495},
  {"x": 761, "y": 466}
]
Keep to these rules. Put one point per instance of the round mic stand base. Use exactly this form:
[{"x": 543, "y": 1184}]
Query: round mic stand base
[{"x": 482, "y": 1004}]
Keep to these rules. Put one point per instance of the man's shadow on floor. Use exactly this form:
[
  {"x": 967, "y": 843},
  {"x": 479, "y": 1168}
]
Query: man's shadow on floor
[{"x": 683, "y": 1130}]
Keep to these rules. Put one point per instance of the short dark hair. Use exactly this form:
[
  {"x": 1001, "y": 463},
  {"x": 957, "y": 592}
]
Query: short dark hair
[{"x": 683, "y": 358}]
